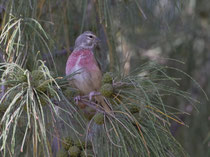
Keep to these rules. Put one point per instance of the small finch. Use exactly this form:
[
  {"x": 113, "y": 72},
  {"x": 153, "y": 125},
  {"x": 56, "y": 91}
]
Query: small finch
[{"x": 88, "y": 74}]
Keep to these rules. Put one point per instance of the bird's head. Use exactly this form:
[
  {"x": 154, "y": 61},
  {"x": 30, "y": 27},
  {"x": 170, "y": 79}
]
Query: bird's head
[{"x": 86, "y": 40}]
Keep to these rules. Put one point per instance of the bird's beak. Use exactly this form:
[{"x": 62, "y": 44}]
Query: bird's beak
[{"x": 97, "y": 40}]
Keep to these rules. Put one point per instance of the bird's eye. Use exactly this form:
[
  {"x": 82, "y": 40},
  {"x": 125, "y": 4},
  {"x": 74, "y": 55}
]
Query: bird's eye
[{"x": 90, "y": 36}]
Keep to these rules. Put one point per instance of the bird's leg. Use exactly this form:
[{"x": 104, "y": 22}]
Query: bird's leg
[
  {"x": 93, "y": 93},
  {"x": 77, "y": 99}
]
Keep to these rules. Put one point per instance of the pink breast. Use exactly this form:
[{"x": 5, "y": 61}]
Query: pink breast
[{"x": 81, "y": 59}]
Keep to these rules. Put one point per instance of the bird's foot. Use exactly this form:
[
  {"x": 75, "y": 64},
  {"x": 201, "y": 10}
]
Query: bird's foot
[
  {"x": 93, "y": 93},
  {"x": 77, "y": 99}
]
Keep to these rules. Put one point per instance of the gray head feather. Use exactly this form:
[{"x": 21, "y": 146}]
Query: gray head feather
[{"x": 86, "y": 40}]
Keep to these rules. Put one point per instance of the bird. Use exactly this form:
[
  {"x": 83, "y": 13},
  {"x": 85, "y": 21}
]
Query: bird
[{"x": 83, "y": 64}]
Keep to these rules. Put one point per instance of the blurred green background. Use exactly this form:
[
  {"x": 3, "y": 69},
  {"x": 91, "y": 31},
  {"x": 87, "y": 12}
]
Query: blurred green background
[{"x": 132, "y": 33}]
